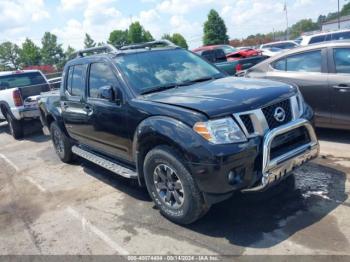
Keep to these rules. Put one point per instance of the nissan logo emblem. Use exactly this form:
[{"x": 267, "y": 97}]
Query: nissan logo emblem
[{"x": 280, "y": 114}]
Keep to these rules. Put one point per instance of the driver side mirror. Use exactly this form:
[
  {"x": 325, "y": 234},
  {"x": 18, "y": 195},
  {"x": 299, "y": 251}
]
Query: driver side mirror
[{"x": 108, "y": 93}]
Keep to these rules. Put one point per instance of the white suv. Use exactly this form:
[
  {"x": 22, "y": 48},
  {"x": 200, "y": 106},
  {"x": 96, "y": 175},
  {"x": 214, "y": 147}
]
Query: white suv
[{"x": 323, "y": 37}]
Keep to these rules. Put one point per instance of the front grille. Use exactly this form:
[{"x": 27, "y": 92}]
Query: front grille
[
  {"x": 269, "y": 113},
  {"x": 247, "y": 121},
  {"x": 293, "y": 139}
]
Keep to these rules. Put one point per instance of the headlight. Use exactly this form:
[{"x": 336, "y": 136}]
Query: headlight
[{"x": 220, "y": 131}]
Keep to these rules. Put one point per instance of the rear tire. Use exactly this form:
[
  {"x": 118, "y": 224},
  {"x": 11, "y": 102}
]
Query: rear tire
[
  {"x": 172, "y": 187},
  {"x": 61, "y": 143},
  {"x": 15, "y": 126}
]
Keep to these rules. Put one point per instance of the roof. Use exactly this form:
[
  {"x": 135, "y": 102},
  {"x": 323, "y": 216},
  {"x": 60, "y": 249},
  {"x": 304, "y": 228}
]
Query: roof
[
  {"x": 342, "y": 19},
  {"x": 7, "y": 73},
  {"x": 280, "y": 42}
]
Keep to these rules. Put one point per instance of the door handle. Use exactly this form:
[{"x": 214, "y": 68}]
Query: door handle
[{"x": 342, "y": 87}]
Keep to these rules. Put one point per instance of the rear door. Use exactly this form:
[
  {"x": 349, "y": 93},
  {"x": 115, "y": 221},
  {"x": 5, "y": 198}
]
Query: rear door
[
  {"x": 73, "y": 102},
  {"x": 108, "y": 120},
  {"x": 309, "y": 71},
  {"x": 339, "y": 83}
]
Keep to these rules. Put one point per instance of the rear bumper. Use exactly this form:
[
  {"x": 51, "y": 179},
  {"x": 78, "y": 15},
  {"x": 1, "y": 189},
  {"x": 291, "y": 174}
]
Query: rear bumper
[{"x": 25, "y": 113}]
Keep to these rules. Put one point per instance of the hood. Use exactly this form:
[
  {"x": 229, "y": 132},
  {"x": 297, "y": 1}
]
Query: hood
[{"x": 225, "y": 96}]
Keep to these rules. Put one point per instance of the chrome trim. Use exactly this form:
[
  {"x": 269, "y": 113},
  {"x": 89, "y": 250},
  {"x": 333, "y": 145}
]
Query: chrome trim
[{"x": 275, "y": 169}]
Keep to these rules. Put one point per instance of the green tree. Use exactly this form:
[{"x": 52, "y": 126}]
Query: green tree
[
  {"x": 29, "y": 53},
  {"x": 9, "y": 56},
  {"x": 51, "y": 51},
  {"x": 345, "y": 10},
  {"x": 137, "y": 34},
  {"x": 177, "y": 39},
  {"x": 118, "y": 37},
  {"x": 68, "y": 54},
  {"x": 304, "y": 25},
  {"x": 89, "y": 42},
  {"x": 215, "y": 30}
]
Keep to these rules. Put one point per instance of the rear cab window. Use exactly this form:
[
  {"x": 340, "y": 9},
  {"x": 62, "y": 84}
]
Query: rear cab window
[{"x": 21, "y": 80}]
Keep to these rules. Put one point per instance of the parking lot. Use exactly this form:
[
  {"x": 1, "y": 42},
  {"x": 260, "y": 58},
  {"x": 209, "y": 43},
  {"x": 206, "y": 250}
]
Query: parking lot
[{"x": 47, "y": 207}]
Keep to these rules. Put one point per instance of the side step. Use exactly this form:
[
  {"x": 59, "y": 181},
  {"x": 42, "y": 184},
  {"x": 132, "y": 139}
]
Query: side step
[{"x": 107, "y": 164}]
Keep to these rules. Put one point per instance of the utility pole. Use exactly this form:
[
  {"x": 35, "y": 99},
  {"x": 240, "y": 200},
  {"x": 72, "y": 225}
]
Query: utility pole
[
  {"x": 338, "y": 15},
  {"x": 286, "y": 10}
]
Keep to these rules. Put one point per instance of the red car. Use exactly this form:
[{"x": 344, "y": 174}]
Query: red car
[{"x": 231, "y": 52}]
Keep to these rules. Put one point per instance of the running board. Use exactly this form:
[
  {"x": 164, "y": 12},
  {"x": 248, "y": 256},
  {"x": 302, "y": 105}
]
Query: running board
[{"x": 107, "y": 164}]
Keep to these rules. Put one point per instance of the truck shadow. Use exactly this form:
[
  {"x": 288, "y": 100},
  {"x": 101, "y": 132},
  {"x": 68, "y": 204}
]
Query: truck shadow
[
  {"x": 32, "y": 131},
  {"x": 332, "y": 135}
]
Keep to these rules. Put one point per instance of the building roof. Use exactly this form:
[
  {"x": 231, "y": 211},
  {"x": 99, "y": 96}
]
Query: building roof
[{"x": 334, "y": 21}]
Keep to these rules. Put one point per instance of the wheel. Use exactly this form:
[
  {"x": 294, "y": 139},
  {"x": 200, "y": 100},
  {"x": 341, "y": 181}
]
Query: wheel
[
  {"x": 15, "y": 126},
  {"x": 61, "y": 143},
  {"x": 172, "y": 187}
]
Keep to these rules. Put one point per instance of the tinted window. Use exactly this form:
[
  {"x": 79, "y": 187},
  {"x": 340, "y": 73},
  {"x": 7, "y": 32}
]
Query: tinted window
[
  {"x": 148, "y": 70},
  {"x": 209, "y": 55},
  {"x": 78, "y": 83},
  {"x": 341, "y": 36},
  {"x": 69, "y": 79},
  {"x": 342, "y": 60},
  {"x": 100, "y": 75},
  {"x": 305, "y": 62},
  {"x": 317, "y": 39},
  {"x": 280, "y": 65},
  {"x": 21, "y": 79}
]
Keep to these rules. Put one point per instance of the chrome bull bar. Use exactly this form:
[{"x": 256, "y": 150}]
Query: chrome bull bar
[{"x": 274, "y": 170}]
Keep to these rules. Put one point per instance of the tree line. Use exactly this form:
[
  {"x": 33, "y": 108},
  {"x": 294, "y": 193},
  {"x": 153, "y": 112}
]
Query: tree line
[{"x": 13, "y": 56}]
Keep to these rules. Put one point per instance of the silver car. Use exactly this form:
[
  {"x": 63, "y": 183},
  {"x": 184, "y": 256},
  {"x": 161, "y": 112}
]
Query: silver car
[{"x": 322, "y": 72}]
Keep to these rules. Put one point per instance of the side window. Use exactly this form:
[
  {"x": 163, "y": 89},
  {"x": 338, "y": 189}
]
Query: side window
[
  {"x": 341, "y": 36},
  {"x": 342, "y": 60},
  {"x": 220, "y": 55},
  {"x": 209, "y": 55},
  {"x": 78, "y": 83},
  {"x": 69, "y": 79},
  {"x": 317, "y": 39},
  {"x": 280, "y": 65},
  {"x": 305, "y": 62},
  {"x": 100, "y": 75}
]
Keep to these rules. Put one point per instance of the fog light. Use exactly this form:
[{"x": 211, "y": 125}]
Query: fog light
[{"x": 236, "y": 176}]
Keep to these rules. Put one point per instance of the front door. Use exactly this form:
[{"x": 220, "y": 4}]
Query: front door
[
  {"x": 339, "y": 83},
  {"x": 108, "y": 120}
]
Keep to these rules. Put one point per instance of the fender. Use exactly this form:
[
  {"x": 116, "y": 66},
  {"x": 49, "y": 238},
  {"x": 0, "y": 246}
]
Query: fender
[
  {"x": 158, "y": 130},
  {"x": 50, "y": 110}
]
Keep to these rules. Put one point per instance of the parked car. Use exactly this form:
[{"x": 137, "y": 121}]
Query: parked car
[
  {"x": 285, "y": 45},
  {"x": 271, "y": 51},
  {"x": 230, "y": 52},
  {"x": 218, "y": 57},
  {"x": 322, "y": 72},
  {"x": 324, "y": 37},
  {"x": 166, "y": 117},
  {"x": 19, "y": 93}
]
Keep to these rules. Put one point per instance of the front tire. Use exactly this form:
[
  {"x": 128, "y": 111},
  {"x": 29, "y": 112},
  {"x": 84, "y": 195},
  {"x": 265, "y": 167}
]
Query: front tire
[
  {"x": 172, "y": 187},
  {"x": 61, "y": 143},
  {"x": 15, "y": 126}
]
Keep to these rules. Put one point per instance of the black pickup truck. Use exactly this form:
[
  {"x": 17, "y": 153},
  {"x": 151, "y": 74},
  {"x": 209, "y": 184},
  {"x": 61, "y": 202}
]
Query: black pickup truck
[{"x": 164, "y": 116}]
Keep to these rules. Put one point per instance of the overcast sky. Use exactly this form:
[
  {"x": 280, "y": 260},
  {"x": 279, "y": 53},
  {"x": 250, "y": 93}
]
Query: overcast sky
[{"x": 70, "y": 19}]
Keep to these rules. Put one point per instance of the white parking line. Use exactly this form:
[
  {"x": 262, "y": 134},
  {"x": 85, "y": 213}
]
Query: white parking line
[
  {"x": 32, "y": 181},
  {"x": 86, "y": 224},
  {"x": 8, "y": 161}
]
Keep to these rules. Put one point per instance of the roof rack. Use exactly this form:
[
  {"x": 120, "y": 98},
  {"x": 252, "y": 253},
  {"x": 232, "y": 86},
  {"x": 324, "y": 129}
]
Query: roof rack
[
  {"x": 99, "y": 49},
  {"x": 149, "y": 44}
]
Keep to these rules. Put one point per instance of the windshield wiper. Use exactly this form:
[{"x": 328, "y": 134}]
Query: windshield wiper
[
  {"x": 198, "y": 80},
  {"x": 160, "y": 88}
]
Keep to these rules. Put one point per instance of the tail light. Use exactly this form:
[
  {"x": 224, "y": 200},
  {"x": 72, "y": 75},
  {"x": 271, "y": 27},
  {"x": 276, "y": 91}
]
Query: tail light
[
  {"x": 17, "y": 98},
  {"x": 238, "y": 67}
]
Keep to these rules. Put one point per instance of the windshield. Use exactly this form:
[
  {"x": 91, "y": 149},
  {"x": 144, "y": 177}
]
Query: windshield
[
  {"x": 20, "y": 80},
  {"x": 150, "y": 70},
  {"x": 228, "y": 49}
]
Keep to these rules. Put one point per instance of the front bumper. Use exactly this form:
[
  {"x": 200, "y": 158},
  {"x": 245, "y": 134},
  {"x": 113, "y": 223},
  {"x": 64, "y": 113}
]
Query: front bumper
[{"x": 274, "y": 170}]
